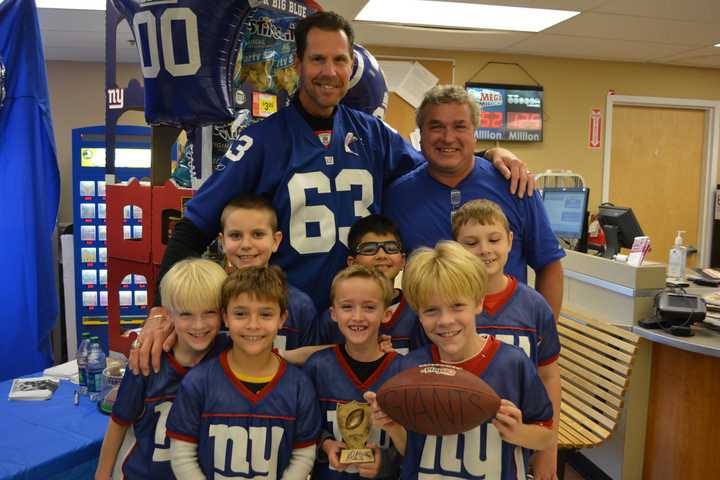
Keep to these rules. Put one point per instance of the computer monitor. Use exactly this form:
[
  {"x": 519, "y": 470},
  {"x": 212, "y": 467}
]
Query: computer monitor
[
  {"x": 620, "y": 227},
  {"x": 567, "y": 211}
]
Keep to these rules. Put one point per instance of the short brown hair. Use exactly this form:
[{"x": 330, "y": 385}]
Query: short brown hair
[
  {"x": 362, "y": 271},
  {"x": 448, "y": 271},
  {"x": 192, "y": 284},
  {"x": 328, "y": 21},
  {"x": 264, "y": 283},
  {"x": 484, "y": 212},
  {"x": 249, "y": 202},
  {"x": 442, "y": 94}
]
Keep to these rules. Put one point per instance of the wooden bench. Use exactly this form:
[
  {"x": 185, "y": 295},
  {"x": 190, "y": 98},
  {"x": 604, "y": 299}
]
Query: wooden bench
[{"x": 595, "y": 364}]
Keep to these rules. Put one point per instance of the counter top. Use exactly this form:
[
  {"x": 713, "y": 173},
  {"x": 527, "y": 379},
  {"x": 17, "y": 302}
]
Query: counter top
[{"x": 705, "y": 341}]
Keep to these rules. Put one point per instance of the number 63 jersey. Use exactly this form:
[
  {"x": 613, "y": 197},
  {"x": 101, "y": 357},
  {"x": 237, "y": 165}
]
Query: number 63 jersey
[{"x": 319, "y": 189}]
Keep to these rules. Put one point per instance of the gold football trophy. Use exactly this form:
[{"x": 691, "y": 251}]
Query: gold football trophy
[{"x": 354, "y": 420}]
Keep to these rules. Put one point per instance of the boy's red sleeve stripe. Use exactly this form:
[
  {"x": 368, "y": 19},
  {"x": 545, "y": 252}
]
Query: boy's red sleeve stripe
[
  {"x": 305, "y": 444},
  {"x": 121, "y": 422},
  {"x": 180, "y": 436},
  {"x": 548, "y": 361},
  {"x": 544, "y": 423}
]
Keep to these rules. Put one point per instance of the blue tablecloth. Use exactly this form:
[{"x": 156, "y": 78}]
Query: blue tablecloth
[{"x": 51, "y": 439}]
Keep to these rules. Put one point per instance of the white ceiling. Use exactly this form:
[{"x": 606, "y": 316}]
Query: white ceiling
[{"x": 676, "y": 32}]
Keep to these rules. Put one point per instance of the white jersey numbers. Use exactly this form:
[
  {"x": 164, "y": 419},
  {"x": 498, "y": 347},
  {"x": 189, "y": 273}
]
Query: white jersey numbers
[
  {"x": 145, "y": 29},
  {"x": 302, "y": 214}
]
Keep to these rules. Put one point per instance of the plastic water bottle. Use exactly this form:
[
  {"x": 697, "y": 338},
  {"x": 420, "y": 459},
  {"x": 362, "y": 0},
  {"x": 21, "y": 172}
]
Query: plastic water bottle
[
  {"x": 82, "y": 355},
  {"x": 95, "y": 367}
]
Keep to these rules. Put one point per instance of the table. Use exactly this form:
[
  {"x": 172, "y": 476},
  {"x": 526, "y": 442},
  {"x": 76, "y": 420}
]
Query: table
[{"x": 51, "y": 439}]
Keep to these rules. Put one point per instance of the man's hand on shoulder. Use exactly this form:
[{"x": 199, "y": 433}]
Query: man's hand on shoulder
[
  {"x": 514, "y": 169},
  {"x": 157, "y": 334}
]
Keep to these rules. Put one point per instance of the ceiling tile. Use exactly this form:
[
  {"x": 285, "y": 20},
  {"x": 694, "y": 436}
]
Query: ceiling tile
[{"x": 702, "y": 11}]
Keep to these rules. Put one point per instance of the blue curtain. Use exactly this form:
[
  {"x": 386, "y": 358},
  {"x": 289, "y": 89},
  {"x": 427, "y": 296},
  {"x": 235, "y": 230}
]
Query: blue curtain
[{"x": 29, "y": 195}]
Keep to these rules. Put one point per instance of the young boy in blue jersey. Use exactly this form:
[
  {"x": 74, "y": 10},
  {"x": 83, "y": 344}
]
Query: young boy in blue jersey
[
  {"x": 249, "y": 236},
  {"x": 375, "y": 241},
  {"x": 360, "y": 298},
  {"x": 135, "y": 445},
  {"x": 513, "y": 312},
  {"x": 446, "y": 286},
  {"x": 246, "y": 413}
]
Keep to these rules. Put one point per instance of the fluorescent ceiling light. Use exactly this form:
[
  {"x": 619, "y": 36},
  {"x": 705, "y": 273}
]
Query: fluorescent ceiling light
[
  {"x": 72, "y": 4},
  {"x": 717, "y": 44},
  {"x": 462, "y": 15}
]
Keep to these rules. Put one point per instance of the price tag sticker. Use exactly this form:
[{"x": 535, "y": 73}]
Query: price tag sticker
[{"x": 264, "y": 104}]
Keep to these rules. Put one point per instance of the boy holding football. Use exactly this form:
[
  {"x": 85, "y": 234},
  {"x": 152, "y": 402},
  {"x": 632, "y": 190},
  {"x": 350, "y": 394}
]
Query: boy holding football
[{"x": 446, "y": 286}]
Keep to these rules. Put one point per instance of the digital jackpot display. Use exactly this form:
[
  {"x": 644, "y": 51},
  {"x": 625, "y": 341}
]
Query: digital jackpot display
[{"x": 508, "y": 112}]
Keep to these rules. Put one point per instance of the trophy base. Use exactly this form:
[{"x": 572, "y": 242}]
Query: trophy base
[{"x": 356, "y": 455}]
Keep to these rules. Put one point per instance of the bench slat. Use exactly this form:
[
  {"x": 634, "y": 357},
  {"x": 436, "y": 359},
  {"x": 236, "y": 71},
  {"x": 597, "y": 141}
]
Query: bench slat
[
  {"x": 579, "y": 430},
  {"x": 585, "y": 337},
  {"x": 585, "y": 362},
  {"x": 592, "y": 388},
  {"x": 590, "y": 413},
  {"x": 586, "y": 422},
  {"x": 605, "y": 327},
  {"x": 611, "y": 411}
]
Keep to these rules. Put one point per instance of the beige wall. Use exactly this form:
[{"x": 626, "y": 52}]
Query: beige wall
[
  {"x": 77, "y": 99},
  {"x": 572, "y": 88}
]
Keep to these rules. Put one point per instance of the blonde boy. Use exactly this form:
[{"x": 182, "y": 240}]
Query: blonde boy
[
  {"x": 446, "y": 286},
  {"x": 135, "y": 441},
  {"x": 513, "y": 312},
  {"x": 360, "y": 297},
  {"x": 246, "y": 412}
]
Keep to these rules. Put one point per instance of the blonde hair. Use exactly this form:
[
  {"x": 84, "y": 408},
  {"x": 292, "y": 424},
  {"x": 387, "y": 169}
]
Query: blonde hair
[
  {"x": 484, "y": 212},
  {"x": 362, "y": 271},
  {"x": 264, "y": 283},
  {"x": 443, "y": 94},
  {"x": 447, "y": 271},
  {"x": 192, "y": 284}
]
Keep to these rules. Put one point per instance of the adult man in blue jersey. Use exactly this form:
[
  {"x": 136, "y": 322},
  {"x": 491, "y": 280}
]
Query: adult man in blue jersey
[
  {"x": 447, "y": 119},
  {"x": 322, "y": 165}
]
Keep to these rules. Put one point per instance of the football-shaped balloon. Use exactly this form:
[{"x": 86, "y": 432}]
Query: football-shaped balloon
[
  {"x": 437, "y": 399},
  {"x": 367, "y": 91}
]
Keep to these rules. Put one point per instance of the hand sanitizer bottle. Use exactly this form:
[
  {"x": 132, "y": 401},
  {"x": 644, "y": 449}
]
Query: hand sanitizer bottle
[{"x": 677, "y": 259}]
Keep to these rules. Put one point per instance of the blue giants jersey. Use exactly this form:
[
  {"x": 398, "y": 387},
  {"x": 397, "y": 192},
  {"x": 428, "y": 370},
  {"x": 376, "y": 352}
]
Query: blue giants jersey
[
  {"x": 401, "y": 327},
  {"x": 534, "y": 243},
  {"x": 143, "y": 403},
  {"x": 480, "y": 453},
  {"x": 241, "y": 434},
  {"x": 317, "y": 191},
  {"x": 336, "y": 383},
  {"x": 521, "y": 317},
  {"x": 186, "y": 48},
  {"x": 300, "y": 328}
]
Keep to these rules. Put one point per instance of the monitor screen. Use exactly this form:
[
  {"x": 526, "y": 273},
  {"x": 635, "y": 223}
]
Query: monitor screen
[
  {"x": 566, "y": 208},
  {"x": 621, "y": 222}
]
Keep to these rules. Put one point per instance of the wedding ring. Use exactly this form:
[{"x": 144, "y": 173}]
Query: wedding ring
[{"x": 136, "y": 343}]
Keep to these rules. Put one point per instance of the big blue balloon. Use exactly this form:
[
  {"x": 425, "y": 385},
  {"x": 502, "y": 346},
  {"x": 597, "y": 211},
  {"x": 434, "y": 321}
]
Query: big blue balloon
[{"x": 368, "y": 91}]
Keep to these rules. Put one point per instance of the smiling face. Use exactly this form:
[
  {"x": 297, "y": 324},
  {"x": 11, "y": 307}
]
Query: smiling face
[
  {"x": 448, "y": 140},
  {"x": 195, "y": 328},
  {"x": 389, "y": 264},
  {"x": 248, "y": 239},
  {"x": 451, "y": 326},
  {"x": 324, "y": 71},
  {"x": 491, "y": 243},
  {"x": 253, "y": 323},
  {"x": 358, "y": 308}
]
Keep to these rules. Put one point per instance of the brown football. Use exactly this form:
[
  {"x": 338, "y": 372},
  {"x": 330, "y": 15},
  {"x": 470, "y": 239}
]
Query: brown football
[{"x": 437, "y": 399}]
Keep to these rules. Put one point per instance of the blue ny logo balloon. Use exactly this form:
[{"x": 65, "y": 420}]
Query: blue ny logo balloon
[{"x": 2, "y": 82}]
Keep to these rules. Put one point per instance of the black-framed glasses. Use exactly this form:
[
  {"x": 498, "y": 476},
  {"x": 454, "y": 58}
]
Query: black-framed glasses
[{"x": 391, "y": 247}]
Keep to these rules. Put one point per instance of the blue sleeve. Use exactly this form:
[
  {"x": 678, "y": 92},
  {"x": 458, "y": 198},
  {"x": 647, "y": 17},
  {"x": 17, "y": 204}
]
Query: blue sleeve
[
  {"x": 243, "y": 169},
  {"x": 308, "y": 414},
  {"x": 535, "y": 404},
  {"x": 541, "y": 245},
  {"x": 549, "y": 343},
  {"x": 130, "y": 402},
  {"x": 308, "y": 321},
  {"x": 183, "y": 423},
  {"x": 328, "y": 331},
  {"x": 400, "y": 156}
]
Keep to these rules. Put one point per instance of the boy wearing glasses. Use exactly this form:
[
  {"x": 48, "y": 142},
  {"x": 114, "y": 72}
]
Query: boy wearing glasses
[{"x": 375, "y": 241}]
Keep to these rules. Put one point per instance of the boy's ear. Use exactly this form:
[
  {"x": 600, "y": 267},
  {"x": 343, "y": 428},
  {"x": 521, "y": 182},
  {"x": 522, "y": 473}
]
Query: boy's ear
[
  {"x": 479, "y": 308},
  {"x": 283, "y": 318},
  {"x": 387, "y": 315},
  {"x": 332, "y": 312},
  {"x": 350, "y": 260},
  {"x": 277, "y": 238},
  {"x": 224, "y": 319},
  {"x": 510, "y": 236}
]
